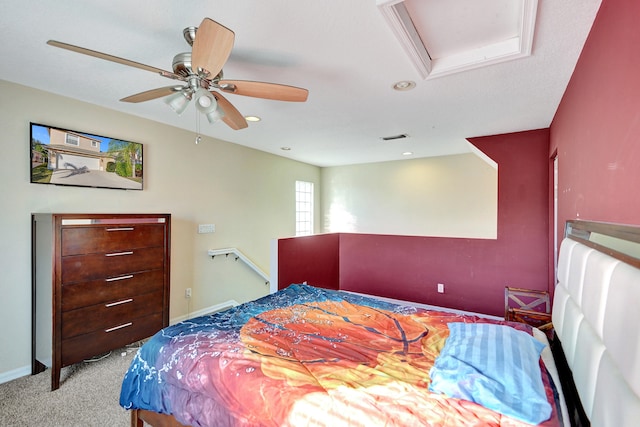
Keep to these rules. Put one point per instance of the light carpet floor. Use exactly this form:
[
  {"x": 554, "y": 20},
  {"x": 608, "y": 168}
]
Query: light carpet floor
[{"x": 88, "y": 395}]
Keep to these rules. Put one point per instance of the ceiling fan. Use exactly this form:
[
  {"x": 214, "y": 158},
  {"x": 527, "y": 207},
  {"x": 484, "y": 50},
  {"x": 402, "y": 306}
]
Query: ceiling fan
[{"x": 201, "y": 71}]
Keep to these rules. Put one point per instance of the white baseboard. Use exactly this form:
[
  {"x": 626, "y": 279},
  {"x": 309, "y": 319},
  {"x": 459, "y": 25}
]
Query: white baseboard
[
  {"x": 5, "y": 377},
  {"x": 207, "y": 310}
]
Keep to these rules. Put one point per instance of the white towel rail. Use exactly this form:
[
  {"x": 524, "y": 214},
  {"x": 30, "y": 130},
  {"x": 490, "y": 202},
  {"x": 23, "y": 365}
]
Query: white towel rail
[{"x": 239, "y": 255}]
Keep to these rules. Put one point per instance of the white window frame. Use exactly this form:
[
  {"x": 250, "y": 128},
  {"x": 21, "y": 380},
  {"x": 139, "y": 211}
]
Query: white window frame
[
  {"x": 304, "y": 208},
  {"x": 72, "y": 139}
]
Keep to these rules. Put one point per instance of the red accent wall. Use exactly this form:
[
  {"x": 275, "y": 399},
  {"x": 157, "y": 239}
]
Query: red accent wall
[
  {"x": 311, "y": 259},
  {"x": 474, "y": 271},
  {"x": 596, "y": 129}
]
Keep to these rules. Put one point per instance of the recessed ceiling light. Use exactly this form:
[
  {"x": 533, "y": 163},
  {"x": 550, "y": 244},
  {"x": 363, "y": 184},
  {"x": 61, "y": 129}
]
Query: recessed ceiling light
[
  {"x": 285, "y": 148},
  {"x": 252, "y": 118},
  {"x": 407, "y": 153},
  {"x": 404, "y": 85}
]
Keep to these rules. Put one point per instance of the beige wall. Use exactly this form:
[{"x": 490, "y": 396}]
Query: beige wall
[
  {"x": 247, "y": 194},
  {"x": 447, "y": 196}
]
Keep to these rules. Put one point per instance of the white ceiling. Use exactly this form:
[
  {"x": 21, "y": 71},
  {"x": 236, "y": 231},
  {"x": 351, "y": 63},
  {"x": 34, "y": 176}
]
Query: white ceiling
[{"x": 346, "y": 53}]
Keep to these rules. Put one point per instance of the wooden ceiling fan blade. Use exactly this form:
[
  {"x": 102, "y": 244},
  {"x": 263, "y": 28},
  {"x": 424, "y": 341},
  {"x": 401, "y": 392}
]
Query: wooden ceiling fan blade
[
  {"x": 152, "y": 94},
  {"x": 232, "y": 116},
  {"x": 211, "y": 47},
  {"x": 264, "y": 90},
  {"x": 112, "y": 58}
]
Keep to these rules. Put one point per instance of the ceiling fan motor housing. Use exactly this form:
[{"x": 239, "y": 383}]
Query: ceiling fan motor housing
[{"x": 182, "y": 64}]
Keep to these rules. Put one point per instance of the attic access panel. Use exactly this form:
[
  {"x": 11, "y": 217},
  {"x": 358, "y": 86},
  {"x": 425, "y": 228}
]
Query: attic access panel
[{"x": 448, "y": 37}]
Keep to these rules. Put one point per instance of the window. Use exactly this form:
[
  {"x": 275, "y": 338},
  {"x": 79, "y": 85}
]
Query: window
[
  {"x": 304, "y": 208},
  {"x": 73, "y": 139}
]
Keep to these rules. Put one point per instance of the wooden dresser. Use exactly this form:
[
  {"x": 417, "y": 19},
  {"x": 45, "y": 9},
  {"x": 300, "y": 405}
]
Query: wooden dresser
[{"x": 100, "y": 281}]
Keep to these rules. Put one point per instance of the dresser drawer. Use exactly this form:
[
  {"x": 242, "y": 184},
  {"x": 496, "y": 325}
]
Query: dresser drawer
[
  {"x": 81, "y": 347},
  {"x": 107, "y": 315},
  {"x": 87, "y": 240},
  {"x": 82, "y": 294},
  {"x": 80, "y": 268}
]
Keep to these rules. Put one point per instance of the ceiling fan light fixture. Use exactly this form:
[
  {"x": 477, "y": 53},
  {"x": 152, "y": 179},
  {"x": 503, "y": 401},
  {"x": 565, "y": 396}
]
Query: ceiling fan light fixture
[
  {"x": 214, "y": 115},
  {"x": 207, "y": 105},
  {"x": 178, "y": 102},
  {"x": 205, "y": 102}
]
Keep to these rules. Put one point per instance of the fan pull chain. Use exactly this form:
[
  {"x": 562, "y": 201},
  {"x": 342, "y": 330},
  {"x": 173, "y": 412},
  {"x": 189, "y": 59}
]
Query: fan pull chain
[{"x": 198, "y": 137}]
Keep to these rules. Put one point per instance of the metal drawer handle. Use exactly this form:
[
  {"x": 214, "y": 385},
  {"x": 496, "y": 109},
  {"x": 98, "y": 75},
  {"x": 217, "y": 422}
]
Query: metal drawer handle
[
  {"x": 124, "y": 301},
  {"x": 113, "y": 279},
  {"x": 120, "y": 253},
  {"x": 120, "y": 229},
  {"x": 115, "y": 328}
]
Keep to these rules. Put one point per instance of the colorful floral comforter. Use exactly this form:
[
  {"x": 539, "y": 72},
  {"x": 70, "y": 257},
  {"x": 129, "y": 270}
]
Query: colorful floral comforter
[{"x": 305, "y": 357}]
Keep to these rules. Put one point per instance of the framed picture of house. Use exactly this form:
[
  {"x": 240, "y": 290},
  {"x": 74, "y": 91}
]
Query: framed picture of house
[{"x": 68, "y": 157}]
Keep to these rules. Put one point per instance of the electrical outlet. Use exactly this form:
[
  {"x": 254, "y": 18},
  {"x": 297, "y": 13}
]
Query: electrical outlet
[
  {"x": 187, "y": 293},
  {"x": 441, "y": 288},
  {"x": 206, "y": 228}
]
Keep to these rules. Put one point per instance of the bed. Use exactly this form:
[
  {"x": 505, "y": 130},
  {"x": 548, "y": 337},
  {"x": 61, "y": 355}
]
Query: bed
[{"x": 310, "y": 356}]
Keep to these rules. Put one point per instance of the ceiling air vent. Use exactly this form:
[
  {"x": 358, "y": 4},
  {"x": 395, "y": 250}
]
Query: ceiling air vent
[{"x": 394, "y": 137}]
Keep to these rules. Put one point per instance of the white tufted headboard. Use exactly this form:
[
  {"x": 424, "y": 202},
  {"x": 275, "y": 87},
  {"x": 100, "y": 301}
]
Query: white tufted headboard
[{"x": 596, "y": 317}]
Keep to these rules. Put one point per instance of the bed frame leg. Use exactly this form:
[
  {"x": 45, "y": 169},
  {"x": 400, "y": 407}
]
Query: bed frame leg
[{"x": 135, "y": 421}]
